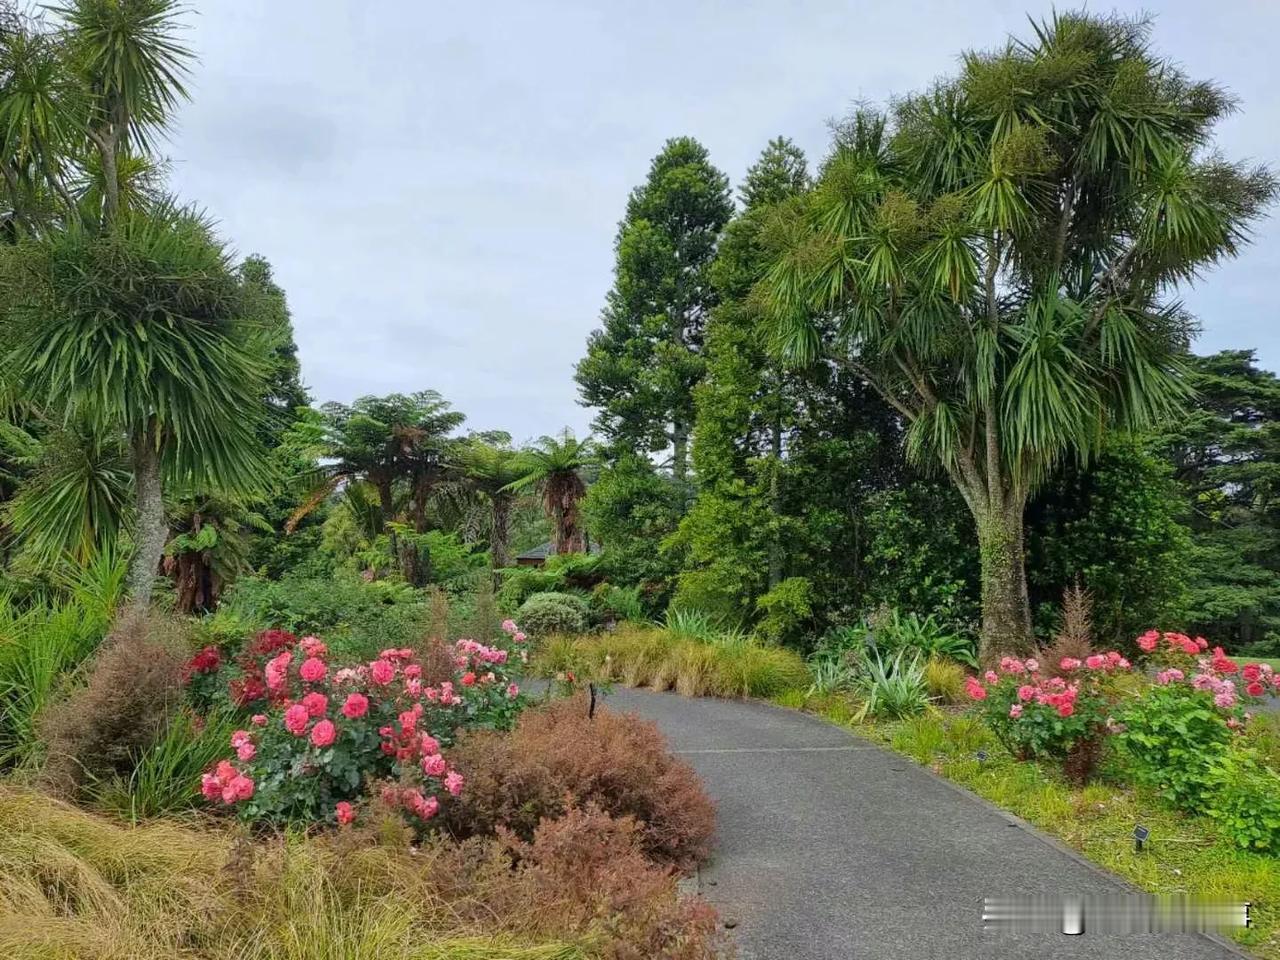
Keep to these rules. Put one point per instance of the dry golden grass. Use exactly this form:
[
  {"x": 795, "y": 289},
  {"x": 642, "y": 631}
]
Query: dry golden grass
[
  {"x": 76, "y": 886},
  {"x": 645, "y": 656}
]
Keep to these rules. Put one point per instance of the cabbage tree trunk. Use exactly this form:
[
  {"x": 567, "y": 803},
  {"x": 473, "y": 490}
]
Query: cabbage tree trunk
[{"x": 150, "y": 531}]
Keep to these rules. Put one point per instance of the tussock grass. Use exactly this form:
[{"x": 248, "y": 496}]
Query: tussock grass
[
  {"x": 944, "y": 679},
  {"x": 75, "y": 886},
  {"x": 655, "y": 657}
]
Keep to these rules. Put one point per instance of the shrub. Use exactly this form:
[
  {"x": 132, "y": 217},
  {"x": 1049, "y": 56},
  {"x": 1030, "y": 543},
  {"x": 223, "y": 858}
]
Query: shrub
[
  {"x": 611, "y": 603},
  {"x": 890, "y": 631},
  {"x": 134, "y": 685},
  {"x": 944, "y": 680},
  {"x": 357, "y": 618},
  {"x": 787, "y": 610},
  {"x": 546, "y": 613},
  {"x": 520, "y": 583},
  {"x": 324, "y": 734},
  {"x": 1062, "y": 717},
  {"x": 596, "y": 865},
  {"x": 556, "y": 757},
  {"x": 1171, "y": 736},
  {"x": 1174, "y": 732},
  {"x": 1245, "y": 801}
]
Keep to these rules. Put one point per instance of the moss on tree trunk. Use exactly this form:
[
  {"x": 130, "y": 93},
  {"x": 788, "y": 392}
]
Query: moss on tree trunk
[{"x": 1006, "y": 606}]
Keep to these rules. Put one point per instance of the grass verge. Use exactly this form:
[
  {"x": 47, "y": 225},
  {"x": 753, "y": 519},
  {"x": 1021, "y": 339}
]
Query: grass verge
[{"x": 1184, "y": 854}]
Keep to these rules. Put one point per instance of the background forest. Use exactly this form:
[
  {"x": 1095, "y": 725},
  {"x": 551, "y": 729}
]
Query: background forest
[{"x": 774, "y": 490}]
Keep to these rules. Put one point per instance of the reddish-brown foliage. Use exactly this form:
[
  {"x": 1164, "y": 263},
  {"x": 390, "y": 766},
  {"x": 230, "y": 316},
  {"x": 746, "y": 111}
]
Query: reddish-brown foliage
[
  {"x": 556, "y": 758},
  {"x": 134, "y": 683},
  {"x": 584, "y": 875}
]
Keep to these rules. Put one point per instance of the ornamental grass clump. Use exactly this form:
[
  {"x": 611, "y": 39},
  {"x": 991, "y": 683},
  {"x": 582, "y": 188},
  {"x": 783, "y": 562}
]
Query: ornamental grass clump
[{"x": 320, "y": 737}]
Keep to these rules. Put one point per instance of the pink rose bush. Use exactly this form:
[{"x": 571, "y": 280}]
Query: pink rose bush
[
  {"x": 321, "y": 738},
  {"x": 1057, "y": 717},
  {"x": 1178, "y": 732}
]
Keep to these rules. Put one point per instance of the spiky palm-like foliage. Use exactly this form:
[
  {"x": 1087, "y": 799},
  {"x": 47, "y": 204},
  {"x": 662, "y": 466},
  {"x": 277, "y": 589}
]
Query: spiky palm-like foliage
[
  {"x": 553, "y": 467},
  {"x": 1001, "y": 255},
  {"x": 399, "y": 440},
  {"x": 135, "y": 332},
  {"x": 208, "y": 547},
  {"x": 487, "y": 472}
]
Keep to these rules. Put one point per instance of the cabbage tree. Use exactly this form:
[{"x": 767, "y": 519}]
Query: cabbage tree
[
  {"x": 1001, "y": 256},
  {"x": 137, "y": 332}
]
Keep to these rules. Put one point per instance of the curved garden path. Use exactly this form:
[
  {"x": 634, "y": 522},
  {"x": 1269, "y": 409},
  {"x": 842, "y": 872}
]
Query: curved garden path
[{"x": 831, "y": 848}]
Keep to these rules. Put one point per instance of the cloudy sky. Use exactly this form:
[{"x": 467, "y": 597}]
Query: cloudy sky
[{"x": 438, "y": 185}]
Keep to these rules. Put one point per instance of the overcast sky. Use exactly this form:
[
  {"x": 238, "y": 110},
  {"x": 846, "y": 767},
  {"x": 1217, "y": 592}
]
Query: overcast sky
[{"x": 438, "y": 185}]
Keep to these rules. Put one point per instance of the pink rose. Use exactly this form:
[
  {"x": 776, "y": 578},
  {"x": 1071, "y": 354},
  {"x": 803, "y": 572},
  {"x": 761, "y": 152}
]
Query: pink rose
[
  {"x": 210, "y": 786},
  {"x": 313, "y": 670},
  {"x": 295, "y": 719},
  {"x": 246, "y": 751},
  {"x": 324, "y": 733},
  {"x": 453, "y": 782},
  {"x": 355, "y": 706},
  {"x": 277, "y": 671},
  {"x": 426, "y": 808},
  {"x": 258, "y": 719},
  {"x": 1015, "y": 710},
  {"x": 520, "y": 637},
  {"x": 513, "y": 691},
  {"x": 434, "y": 765},
  {"x": 468, "y": 679},
  {"x": 975, "y": 689},
  {"x": 1068, "y": 663},
  {"x": 1033, "y": 664},
  {"x": 1095, "y": 661},
  {"x": 382, "y": 672},
  {"x": 1066, "y": 709},
  {"x": 992, "y": 677},
  {"x": 344, "y": 812},
  {"x": 509, "y": 626},
  {"x": 239, "y": 738},
  {"x": 1026, "y": 692},
  {"x": 429, "y": 745},
  {"x": 1147, "y": 642},
  {"x": 316, "y": 703}
]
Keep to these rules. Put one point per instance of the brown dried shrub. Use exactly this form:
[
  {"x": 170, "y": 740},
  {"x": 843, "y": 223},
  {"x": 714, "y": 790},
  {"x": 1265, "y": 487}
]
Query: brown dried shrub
[
  {"x": 1075, "y": 636},
  {"x": 556, "y": 758},
  {"x": 132, "y": 686}
]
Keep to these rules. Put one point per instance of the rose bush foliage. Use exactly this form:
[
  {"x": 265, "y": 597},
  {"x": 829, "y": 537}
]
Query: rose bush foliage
[
  {"x": 320, "y": 737},
  {"x": 1035, "y": 715}
]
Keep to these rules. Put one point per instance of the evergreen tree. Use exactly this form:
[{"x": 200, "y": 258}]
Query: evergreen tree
[
  {"x": 644, "y": 361},
  {"x": 774, "y": 448},
  {"x": 1226, "y": 455}
]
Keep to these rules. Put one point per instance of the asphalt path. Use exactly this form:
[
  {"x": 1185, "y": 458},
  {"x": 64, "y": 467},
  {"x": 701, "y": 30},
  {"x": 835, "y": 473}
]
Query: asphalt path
[{"x": 829, "y": 847}]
